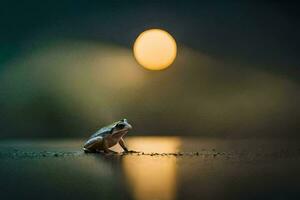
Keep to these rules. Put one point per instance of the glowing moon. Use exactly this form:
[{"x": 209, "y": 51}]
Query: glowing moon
[{"x": 155, "y": 49}]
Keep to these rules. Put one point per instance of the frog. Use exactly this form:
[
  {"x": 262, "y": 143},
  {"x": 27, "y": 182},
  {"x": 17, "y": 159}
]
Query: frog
[{"x": 107, "y": 137}]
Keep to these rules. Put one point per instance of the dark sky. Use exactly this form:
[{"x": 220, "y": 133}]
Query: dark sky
[
  {"x": 264, "y": 33},
  {"x": 66, "y": 67}
]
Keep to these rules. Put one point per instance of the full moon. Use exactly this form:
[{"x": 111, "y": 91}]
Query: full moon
[{"x": 155, "y": 49}]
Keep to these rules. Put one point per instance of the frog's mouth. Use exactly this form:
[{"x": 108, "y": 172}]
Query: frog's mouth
[{"x": 128, "y": 126}]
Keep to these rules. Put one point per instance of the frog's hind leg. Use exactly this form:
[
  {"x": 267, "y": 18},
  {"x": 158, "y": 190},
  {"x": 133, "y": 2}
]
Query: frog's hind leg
[
  {"x": 107, "y": 150},
  {"x": 92, "y": 145},
  {"x": 89, "y": 150}
]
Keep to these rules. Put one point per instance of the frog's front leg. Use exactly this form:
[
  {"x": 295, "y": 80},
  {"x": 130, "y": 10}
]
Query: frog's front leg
[{"x": 123, "y": 145}]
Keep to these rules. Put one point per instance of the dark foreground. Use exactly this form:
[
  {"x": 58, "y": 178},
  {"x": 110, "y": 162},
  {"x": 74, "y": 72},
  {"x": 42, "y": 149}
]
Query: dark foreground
[{"x": 171, "y": 168}]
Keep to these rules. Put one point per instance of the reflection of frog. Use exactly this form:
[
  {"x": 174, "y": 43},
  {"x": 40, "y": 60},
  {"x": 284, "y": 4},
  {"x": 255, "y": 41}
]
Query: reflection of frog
[{"x": 107, "y": 137}]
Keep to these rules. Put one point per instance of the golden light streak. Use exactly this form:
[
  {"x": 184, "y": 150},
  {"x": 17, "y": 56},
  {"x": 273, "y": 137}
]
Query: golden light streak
[{"x": 152, "y": 177}]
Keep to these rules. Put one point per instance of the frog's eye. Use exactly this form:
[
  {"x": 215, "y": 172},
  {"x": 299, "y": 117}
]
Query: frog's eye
[{"x": 120, "y": 126}]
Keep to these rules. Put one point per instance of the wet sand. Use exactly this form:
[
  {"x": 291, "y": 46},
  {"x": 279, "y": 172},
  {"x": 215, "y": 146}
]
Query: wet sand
[{"x": 165, "y": 168}]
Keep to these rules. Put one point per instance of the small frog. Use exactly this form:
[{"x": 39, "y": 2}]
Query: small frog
[{"x": 107, "y": 137}]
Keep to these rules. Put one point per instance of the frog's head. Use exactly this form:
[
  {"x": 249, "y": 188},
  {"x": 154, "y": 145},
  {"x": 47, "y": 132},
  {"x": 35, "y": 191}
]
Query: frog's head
[{"x": 121, "y": 128}]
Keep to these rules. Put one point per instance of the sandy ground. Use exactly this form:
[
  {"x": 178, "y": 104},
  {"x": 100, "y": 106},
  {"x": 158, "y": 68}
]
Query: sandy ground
[{"x": 166, "y": 168}]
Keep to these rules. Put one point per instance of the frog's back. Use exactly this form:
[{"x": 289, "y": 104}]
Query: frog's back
[
  {"x": 101, "y": 132},
  {"x": 104, "y": 131}
]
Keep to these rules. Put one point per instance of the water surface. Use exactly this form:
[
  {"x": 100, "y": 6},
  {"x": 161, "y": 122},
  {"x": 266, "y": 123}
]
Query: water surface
[{"x": 221, "y": 169}]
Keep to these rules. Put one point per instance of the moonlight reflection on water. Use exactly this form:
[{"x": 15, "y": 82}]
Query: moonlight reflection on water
[{"x": 154, "y": 177}]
